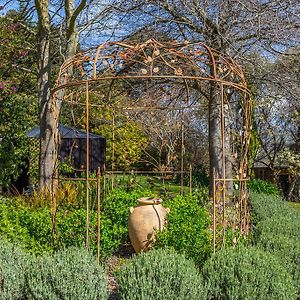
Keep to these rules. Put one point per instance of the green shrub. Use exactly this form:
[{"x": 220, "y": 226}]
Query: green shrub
[
  {"x": 71, "y": 231},
  {"x": 270, "y": 215},
  {"x": 69, "y": 274},
  {"x": 247, "y": 274},
  {"x": 13, "y": 264},
  {"x": 30, "y": 228},
  {"x": 264, "y": 187},
  {"x": 118, "y": 202},
  {"x": 286, "y": 249},
  {"x": 160, "y": 275},
  {"x": 187, "y": 229}
]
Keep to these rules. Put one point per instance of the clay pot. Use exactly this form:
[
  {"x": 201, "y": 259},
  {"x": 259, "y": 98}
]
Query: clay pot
[{"x": 148, "y": 217}]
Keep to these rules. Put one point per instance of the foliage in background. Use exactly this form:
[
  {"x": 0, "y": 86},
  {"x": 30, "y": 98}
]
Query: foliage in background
[
  {"x": 292, "y": 159},
  {"x": 129, "y": 140},
  {"x": 200, "y": 177},
  {"x": 18, "y": 104},
  {"x": 70, "y": 274},
  {"x": 263, "y": 186},
  {"x": 160, "y": 274},
  {"x": 247, "y": 273},
  {"x": 187, "y": 228}
]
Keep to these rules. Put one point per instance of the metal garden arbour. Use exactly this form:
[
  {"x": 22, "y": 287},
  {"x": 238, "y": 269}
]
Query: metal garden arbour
[{"x": 189, "y": 66}]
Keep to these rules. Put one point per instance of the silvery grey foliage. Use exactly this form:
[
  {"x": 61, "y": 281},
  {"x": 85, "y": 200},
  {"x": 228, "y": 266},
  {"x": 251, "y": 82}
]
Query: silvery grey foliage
[
  {"x": 13, "y": 264},
  {"x": 247, "y": 273},
  {"x": 69, "y": 274},
  {"x": 160, "y": 275}
]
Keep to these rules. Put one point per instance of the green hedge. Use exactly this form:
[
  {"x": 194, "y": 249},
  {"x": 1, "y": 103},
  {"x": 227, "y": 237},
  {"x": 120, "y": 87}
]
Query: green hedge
[
  {"x": 160, "y": 275},
  {"x": 266, "y": 206},
  {"x": 187, "y": 228},
  {"x": 31, "y": 228},
  {"x": 247, "y": 274}
]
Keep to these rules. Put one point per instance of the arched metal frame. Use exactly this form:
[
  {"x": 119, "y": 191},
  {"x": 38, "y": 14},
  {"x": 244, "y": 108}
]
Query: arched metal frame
[{"x": 186, "y": 63}]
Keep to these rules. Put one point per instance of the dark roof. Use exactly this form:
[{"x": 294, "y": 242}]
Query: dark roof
[{"x": 65, "y": 132}]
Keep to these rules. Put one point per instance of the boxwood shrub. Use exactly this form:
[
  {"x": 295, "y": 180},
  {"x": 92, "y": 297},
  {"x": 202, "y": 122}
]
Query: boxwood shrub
[
  {"x": 187, "y": 228},
  {"x": 247, "y": 274},
  {"x": 160, "y": 274},
  {"x": 31, "y": 227}
]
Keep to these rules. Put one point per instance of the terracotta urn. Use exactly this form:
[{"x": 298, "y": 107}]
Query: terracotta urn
[{"x": 148, "y": 217}]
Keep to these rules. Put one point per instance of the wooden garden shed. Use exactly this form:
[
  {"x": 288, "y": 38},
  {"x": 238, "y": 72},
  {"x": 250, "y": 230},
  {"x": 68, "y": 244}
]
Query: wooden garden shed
[{"x": 72, "y": 148}]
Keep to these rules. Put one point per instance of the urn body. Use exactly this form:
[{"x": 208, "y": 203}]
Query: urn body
[{"x": 148, "y": 217}]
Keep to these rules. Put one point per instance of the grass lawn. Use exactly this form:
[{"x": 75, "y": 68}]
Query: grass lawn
[
  {"x": 159, "y": 185},
  {"x": 295, "y": 205}
]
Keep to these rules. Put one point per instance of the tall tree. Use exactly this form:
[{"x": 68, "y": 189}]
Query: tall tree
[
  {"x": 234, "y": 27},
  {"x": 67, "y": 45},
  {"x": 47, "y": 145}
]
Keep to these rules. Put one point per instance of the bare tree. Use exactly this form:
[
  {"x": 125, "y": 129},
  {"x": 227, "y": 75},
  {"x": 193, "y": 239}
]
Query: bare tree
[{"x": 235, "y": 27}]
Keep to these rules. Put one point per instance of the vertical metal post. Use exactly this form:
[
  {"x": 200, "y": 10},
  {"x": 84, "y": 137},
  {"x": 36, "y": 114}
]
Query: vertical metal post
[
  {"x": 214, "y": 211},
  {"x": 98, "y": 212},
  {"x": 104, "y": 184},
  {"x": 182, "y": 154},
  {"x": 191, "y": 177},
  {"x": 113, "y": 151},
  {"x": 223, "y": 164},
  {"x": 53, "y": 209},
  {"x": 87, "y": 163}
]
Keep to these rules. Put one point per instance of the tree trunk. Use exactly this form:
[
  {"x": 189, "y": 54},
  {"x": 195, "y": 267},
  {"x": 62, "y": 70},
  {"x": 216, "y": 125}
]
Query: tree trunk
[
  {"x": 215, "y": 138},
  {"x": 47, "y": 146},
  {"x": 49, "y": 106}
]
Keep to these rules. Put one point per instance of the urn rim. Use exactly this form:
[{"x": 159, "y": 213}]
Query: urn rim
[{"x": 149, "y": 201}]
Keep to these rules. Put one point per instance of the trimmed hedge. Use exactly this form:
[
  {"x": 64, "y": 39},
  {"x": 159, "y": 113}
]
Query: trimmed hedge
[
  {"x": 247, "y": 274},
  {"x": 69, "y": 274},
  {"x": 160, "y": 275}
]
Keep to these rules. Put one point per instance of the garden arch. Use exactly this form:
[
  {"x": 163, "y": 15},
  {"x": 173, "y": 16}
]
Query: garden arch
[{"x": 194, "y": 69}]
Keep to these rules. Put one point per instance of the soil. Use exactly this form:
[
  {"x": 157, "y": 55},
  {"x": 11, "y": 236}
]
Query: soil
[{"x": 125, "y": 252}]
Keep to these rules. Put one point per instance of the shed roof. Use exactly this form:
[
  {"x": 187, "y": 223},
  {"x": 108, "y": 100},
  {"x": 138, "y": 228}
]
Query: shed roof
[{"x": 65, "y": 132}]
